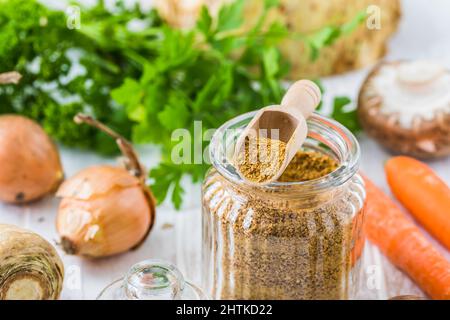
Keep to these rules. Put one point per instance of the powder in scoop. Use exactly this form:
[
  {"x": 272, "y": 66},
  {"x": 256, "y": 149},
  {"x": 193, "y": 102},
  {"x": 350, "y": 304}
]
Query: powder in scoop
[{"x": 261, "y": 158}]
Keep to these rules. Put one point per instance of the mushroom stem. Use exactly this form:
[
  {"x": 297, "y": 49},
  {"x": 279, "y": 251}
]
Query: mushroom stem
[
  {"x": 10, "y": 77},
  {"x": 132, "y": 160}
]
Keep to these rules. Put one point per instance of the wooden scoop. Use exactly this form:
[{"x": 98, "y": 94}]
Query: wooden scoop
[{"x": 289, "y": 118}]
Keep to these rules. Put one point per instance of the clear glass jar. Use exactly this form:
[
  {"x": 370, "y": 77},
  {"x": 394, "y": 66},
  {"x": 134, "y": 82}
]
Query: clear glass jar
[
  {"x": 286, "y": 240},
  {"x": 152, "y": 280}
]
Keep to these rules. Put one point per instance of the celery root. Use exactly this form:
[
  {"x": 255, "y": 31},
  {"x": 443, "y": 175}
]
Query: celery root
[{"x": 30, "y": 268}]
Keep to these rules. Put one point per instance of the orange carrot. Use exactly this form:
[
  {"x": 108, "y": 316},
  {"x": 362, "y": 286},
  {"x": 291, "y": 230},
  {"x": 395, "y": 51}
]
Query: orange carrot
[
  {"x": 404, "y": 244},
  {"x": 423, "y": 193}
]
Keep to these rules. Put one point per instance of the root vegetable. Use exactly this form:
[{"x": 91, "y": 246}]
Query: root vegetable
[
  {"x": 105, "y": 210},
  {"x": 423, "y": 193},
  {"x": 360, "y": 48},
  {"x": 30, "y": 268},
  {"x": 30, "y": 164},
  {"x": 404, "y": 244}
]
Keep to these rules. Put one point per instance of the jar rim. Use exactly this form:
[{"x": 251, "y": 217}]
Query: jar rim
[{"x": 319, "y": 126}]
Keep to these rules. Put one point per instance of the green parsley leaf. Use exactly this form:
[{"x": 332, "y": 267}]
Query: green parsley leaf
[
  {"x": 204, "y": 22},
  {"x": 270, "y": 61},
  {"x": 175, "y": 113},
  {"x": 268, "y": 4},
  {"x": 320, "y": 39},
  {"x": 329, "y": 34},
  {"x": 230, "y": 16},
  {"x": 347, "y": 117},
  {"x": 177, "y": 194}
]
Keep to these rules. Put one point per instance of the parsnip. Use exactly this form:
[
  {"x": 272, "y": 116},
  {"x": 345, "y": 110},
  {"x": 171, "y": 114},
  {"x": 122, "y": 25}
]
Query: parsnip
[{"x": 30, "y": 268}]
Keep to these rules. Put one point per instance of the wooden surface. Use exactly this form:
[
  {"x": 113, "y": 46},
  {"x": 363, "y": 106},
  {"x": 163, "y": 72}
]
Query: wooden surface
[{"x": 176, "y": 236}]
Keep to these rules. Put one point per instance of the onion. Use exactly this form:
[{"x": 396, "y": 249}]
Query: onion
[
  {"x": 30, "y": 268},
  {"x": 105, "y": 210},
  {"x": 30, "y": 164}
]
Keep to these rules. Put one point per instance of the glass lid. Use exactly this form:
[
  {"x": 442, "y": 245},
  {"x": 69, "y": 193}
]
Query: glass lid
[{"x": 152, "y": 280}]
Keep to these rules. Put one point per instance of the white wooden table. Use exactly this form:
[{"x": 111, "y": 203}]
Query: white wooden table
[{"x": 176, "y": 236}]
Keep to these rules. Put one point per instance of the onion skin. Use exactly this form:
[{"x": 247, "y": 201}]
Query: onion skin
[
  {"x": 30, "y": 268},
  {"x": 30, "y": 163},
  {"x": 104, "y": 211}
]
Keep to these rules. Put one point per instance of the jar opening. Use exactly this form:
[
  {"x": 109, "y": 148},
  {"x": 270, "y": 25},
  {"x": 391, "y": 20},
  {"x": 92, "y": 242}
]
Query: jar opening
[
  {"x": 324, "y": 135},
  {"x": 153, "y": 278}
]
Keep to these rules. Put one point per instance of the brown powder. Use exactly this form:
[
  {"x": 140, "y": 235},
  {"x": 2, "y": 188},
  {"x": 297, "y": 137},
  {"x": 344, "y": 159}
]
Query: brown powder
[
  {"x": 308, "y": 165},
  {"x": 261, "y": 158},
  {"x": 281, "y": 243}
]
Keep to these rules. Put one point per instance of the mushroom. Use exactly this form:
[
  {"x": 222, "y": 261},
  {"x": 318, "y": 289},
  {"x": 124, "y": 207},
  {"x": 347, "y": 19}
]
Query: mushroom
[{"x": 405, "y": 106}]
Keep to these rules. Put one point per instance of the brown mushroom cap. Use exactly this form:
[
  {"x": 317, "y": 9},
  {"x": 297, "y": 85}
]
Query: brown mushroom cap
[{"x": 405, "y": 106}]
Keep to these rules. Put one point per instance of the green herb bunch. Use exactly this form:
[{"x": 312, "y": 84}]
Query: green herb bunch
[
  {"x": 146, "y": 82},
  {"x": 36, "y": 42},
  {"x": 210, "y": 73}
]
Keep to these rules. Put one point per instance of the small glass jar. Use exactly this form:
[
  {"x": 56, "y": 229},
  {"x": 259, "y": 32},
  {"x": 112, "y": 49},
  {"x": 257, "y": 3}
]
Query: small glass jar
[
  {"x": 152, "y": 280},
  {"x": 286, "y": 240}
]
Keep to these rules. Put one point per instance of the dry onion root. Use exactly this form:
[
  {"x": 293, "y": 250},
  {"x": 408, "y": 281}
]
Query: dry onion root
[
  {"x": 105, "y": 210},
  {"x": 30, "y": 164},
  {"x": 30, "y": 268}
]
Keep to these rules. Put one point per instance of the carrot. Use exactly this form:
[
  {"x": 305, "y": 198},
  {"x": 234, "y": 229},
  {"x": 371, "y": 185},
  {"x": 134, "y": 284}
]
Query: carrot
[
  {"x": 404, "y": 244},
  {"x": 423, "y": 193}
]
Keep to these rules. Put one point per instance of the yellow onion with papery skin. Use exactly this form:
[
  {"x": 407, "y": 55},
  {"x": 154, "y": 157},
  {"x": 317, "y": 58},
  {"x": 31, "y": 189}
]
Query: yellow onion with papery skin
[
  {"x": 30, "y": 166},
  {"x": 105, "y": 210}
]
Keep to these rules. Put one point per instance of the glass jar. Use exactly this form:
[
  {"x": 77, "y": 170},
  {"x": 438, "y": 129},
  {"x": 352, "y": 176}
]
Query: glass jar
[
  {"x": 286, "y": 240},
  {"x": 152, "y": 280}
]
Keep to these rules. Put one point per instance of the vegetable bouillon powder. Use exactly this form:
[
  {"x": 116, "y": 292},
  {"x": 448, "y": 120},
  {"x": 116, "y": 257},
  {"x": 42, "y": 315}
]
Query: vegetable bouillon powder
[
  {"x": 261, "y": 158},
  {"x": 281, "y": 243}
]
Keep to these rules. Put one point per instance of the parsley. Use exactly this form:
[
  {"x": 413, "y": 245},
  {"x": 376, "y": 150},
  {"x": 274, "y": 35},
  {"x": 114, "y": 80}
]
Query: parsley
[
  {"x": 345, "y": 115},
  {"x": 210, "y": 74},
  {"x": 329, "y": 34},
  {"x": 148, "y": 81},
  {"x": 36, "y": 42}
]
